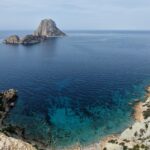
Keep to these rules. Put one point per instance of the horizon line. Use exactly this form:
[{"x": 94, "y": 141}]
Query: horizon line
[{"x": 80, "y": 29}]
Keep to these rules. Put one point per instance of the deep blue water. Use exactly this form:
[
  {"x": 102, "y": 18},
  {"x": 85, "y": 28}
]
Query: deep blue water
[{"x": 76, "y": 89}]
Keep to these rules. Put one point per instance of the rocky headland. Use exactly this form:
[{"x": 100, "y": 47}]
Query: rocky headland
[{"x": 46, "y": 29}]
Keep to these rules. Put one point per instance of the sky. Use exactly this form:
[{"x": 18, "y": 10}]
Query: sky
[{"x": 76, "y": 14}]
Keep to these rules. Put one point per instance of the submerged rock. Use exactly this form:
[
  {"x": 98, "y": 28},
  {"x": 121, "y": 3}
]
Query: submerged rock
[
  {"x": 32, "y": 39},
  {"x": 14, "y": 39},
  {"x": 48, "y": 28}
]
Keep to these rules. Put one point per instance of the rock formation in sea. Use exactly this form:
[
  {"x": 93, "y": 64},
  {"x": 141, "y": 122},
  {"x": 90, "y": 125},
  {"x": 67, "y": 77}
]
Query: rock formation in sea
[
  {"x": 14, "y": 39},
  {"x": 32, "y": 39},
  {"x": 46, "y": 29}
]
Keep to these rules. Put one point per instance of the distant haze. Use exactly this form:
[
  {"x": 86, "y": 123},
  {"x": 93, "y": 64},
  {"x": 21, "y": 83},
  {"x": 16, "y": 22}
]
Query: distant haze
[{"x": 76, "y": 14}]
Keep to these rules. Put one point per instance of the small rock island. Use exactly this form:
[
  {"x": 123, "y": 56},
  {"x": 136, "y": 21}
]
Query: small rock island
[{"x": 46, "y": 29}]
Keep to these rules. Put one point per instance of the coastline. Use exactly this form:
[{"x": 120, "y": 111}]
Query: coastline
[
  {"x": 135, "y": 137},
  {"x": 8, "y": 132}
]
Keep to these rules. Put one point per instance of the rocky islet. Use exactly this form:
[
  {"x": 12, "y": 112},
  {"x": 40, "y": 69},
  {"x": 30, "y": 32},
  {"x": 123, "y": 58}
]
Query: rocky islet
[{"x": 46, "y": 29}]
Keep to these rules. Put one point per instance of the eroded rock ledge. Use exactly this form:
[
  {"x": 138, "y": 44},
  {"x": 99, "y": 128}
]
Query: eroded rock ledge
[{"x": 46, "y": 29}]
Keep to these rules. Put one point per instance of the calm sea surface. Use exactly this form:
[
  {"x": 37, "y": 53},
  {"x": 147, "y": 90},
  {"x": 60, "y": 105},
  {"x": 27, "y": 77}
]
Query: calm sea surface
[{"x": 76, "y": 89}]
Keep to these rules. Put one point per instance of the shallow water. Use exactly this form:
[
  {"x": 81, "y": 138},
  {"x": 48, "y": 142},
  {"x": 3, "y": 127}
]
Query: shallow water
[{"x": 76, "y": 89}]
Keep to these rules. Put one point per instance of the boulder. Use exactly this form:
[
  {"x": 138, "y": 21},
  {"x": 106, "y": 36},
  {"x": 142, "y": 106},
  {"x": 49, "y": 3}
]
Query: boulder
[
  {"x": 48, "y": 28},
  {"x": 14, "y": 39}
]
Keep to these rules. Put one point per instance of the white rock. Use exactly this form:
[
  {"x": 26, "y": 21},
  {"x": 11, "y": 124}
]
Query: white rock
[{"x": 9, "y": 143}]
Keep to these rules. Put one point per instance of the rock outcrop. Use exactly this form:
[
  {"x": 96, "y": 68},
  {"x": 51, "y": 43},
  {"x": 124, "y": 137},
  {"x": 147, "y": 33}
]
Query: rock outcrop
[
  {"x": 14, "y": 39},
  {"x": 32, "y": 39},
  {"x": 9, "y": 143},
  {"x": 48, "y": 28},
  {"x": 7, "y": 101}
]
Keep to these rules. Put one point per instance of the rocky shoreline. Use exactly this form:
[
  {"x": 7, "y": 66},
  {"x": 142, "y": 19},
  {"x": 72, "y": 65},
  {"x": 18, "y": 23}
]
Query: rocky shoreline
[
  {"x": 135, "y": 137},
  {"x": 46, "y": 29},
  {"x": 7, "y": 102},
  {"x": 13, "y": 137}
]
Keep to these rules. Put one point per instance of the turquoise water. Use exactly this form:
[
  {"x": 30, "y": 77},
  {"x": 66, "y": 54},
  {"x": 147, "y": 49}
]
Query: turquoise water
[{"x": 76, "y": 89}]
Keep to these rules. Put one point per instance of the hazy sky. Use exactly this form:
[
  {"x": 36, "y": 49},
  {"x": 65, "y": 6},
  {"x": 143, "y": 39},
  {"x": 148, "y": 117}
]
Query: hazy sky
[{"x": 76, "y": 14}]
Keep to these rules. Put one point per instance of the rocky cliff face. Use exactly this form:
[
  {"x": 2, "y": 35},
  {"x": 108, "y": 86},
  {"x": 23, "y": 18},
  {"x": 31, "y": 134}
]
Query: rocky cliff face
[
  {"x": 9, "y": 143},
  {"x": 48, "y": 28}
]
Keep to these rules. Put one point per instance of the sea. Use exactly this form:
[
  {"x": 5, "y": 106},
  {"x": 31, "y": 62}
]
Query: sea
[{"x": 75, "y": 89}]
